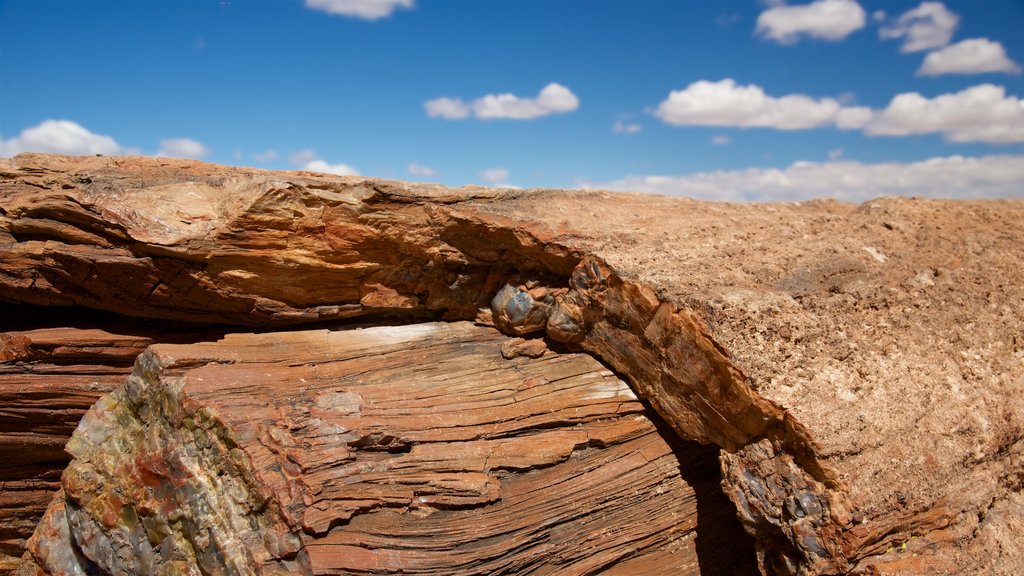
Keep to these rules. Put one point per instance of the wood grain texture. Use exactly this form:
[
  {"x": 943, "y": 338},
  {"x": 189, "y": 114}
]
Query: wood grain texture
[{"x": 410, "y": 449}]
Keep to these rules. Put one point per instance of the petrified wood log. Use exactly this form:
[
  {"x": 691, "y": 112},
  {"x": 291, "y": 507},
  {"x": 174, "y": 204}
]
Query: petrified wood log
[
  {"x": 859, "y": 366},
  {"x": 413, "y": 449}
]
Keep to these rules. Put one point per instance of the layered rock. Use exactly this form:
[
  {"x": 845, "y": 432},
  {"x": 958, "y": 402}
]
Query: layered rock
[
  {"x": 386, "y": 450},
  {"x": 49, "y": 377},
  {"x": 857, "y": 365}
]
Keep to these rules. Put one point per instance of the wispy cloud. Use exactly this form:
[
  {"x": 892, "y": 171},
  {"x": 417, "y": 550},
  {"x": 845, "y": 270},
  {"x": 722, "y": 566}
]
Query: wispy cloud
[
  {"x": 926, "y": 27},
  {"x": 720, "y": 140},
  {"x": 823, "y": 19},
  {"x": 553, "y": 99},
  {"x": 447, "y": 108},
  {"x": 183, "y": 148},
  {"x": 302, "y": 157},
  {"x": 362, "y": 9},
  {"x": 621, "y": 127},
  {"x": 945, "y": 177},
  {"x": 494, "y": 175},
  {"x": 421, "y": 171},
  {"x": 265, "y": 156}
]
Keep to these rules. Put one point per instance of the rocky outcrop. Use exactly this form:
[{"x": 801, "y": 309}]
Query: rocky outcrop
[
  {"x": 856, "y": 365},
  {"x": 319, "y": 452},
  {"x": 49, "y": 377}
]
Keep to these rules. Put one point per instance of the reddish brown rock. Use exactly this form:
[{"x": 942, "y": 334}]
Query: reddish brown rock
[
  {"x": 859, "y": 365},
  {"x": 345, "y": 453},
  {"x": 48, "y": 379}
]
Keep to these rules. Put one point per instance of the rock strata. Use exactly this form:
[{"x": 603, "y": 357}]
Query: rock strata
[
  {"x": 318, "y": 452},
  {"x": 858, "y": 365}
]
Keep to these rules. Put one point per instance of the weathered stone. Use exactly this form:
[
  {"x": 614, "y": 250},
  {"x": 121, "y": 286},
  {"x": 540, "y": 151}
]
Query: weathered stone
[
  {"x": 874, "y": 349},
  {"x": 344, "y": 452},
  {"x": 49, "y": 377},
  {"x": 533, "y": 348}
]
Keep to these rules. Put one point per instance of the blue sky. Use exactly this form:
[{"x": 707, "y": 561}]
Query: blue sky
[{"x": 717, "y": 99}]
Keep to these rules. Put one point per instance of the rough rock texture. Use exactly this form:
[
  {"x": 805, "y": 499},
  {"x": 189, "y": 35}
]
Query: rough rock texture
[
  {"x": 858, "y": 365},
  {"x": 49, "y": 377},
  {"x": 42, "y": 397},
  {"x": 318, "y": 452}
]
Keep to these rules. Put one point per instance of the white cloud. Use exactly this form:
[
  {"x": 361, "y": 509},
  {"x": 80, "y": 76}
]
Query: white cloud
[
  {"x": 307, "y": 159},
  {"x": 447, "y": 108},
  {"x": 182, "y": 148},
  {"x": 973, "y": 56},
  {"x": 553, "y": 99},
  {"x": 494, "y": 175},
  {"x": 928, "y": 26},
  {"x": 265, "y": 156},
  {"x": 620, "y": 127},
  {"x": 725, "y": 103},
  {"x": 720, "y": 140},
  {"x": 824, "y": 19},
  {"x": 835, "y": 154},
  {"x": 421, "y": 171},
  {"x": 363, "y": 9},
  {"x": 946, "y": 177},
  {"x": 853, "y": 117},
  {"x": 302, "y": 157},
  {"x": 339, "y": 169},
  {"x": 982, "y": 113},
  {"x": 59, "y": 137}
]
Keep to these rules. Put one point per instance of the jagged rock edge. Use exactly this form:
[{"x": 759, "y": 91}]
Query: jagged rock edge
[{"x": 757, "y": 431}]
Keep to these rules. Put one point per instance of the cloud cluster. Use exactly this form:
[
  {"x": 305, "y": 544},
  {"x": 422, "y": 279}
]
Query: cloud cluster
[
  {"x": 182, "y": 148},
  {"x": 553, "y": 99},
  {"x": 362, "y": 9},
  {"x": 59, "y": 137},
  {"x": 71, "y": 138},
  {"x": 945, "y": 177},
  {"x": 421, "y": 171},
  {"x": 822, "y": 19},
  {"x": 973, "y": 56},
  {"x": 926, "y": 27},
  {"x": 983, "y": 113},
  {"x": 725, "y": 103}
]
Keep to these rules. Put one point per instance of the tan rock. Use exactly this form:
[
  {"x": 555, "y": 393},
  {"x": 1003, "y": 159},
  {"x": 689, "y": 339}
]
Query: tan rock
[{"x": 859, "y": 365}]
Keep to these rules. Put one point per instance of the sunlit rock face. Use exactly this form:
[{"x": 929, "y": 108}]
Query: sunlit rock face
[
  {"x": 858, "y": 366},
  {"x": 319, "y": 452}
]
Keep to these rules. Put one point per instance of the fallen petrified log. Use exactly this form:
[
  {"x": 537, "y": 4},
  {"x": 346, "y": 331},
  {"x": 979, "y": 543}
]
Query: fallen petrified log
[
  {"x": 858, "y": 366},
  {"x": 412, "y": 449}
]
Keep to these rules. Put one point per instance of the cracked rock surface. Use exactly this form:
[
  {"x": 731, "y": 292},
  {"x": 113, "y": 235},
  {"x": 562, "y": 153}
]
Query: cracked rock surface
[
  {"x": 318, "y": 452},
  {"x": 859, "y": 366}
]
